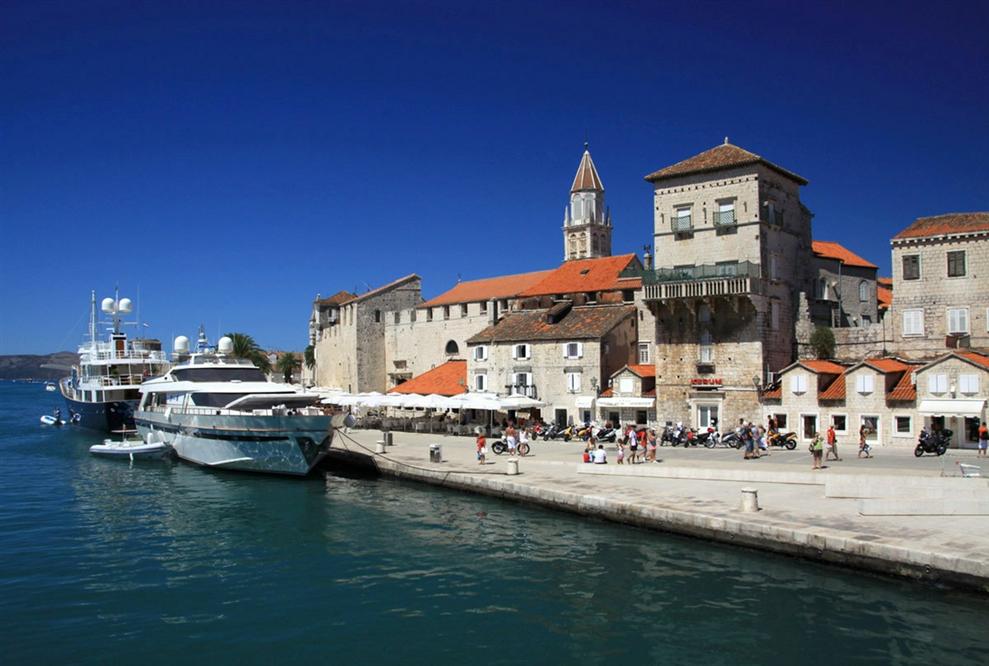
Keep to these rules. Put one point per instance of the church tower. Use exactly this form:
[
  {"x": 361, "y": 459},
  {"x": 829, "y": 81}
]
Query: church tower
[{"x": 586, "y": 221}]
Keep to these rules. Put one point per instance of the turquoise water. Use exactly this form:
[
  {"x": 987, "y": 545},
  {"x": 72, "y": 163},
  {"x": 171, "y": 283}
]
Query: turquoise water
[{"x": 159, "y": 562}]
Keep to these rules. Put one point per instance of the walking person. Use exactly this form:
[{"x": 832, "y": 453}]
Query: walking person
[
  {"x": 760, "y": 436},
  {"x": 832, "y": 444},
  {"x": 620, "y": 457},
  {"x": 983, "y": 438},
  {"x": 633, "y": 445},
  {"x": 816, "y": 452},
  {"x": 745, "y": 436},
  {"x": 651, "y": 445},
  {"x": 864, "y": 447},
  {"x": 482, "y": 448},
  {"x": 511, "y": 438},
  {"x": 523, "y": 440}
]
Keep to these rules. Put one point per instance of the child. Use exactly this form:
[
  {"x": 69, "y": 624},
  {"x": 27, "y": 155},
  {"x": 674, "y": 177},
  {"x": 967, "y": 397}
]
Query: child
[
  {"x": 481, "y": 448},
  {"x": 864, "y": 447},
  {"x": 620, "y": 458}
]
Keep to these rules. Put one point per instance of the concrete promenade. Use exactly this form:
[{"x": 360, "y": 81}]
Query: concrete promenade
[{"x": 851, "y": 513}]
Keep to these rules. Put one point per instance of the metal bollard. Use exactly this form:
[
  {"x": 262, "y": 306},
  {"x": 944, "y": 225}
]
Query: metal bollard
[
  {"x": 750, "y": 500},
  {"x": 388, "y": 439},
  {"x": 513, "y": 467},
  {"x": 435, "y": 453},
  {"x": 379, "y": 447}
]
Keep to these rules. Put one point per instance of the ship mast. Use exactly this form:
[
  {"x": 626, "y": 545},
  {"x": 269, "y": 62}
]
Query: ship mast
[{"x": 92, "y": 319}]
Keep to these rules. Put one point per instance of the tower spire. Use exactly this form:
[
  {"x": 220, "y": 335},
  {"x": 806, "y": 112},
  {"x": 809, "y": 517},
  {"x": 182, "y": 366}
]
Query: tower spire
[{"x": 587, "y": 221}]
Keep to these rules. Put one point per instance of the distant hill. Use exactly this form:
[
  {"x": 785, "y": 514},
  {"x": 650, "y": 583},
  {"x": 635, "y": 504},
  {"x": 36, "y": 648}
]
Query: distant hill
[{"x": 28, "y": 366}]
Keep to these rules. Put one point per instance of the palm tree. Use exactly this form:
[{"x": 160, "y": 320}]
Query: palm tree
[
  {"x": 246, "y": 347},
  {"x": 287, "y": 363},
  {"x": 310, "y": 355}
]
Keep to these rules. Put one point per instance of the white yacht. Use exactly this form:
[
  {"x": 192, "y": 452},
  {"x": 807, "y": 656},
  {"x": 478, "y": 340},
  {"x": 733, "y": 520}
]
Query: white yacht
[{"x": 222, "y": 412}]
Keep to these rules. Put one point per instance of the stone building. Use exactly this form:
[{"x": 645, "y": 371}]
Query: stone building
[
  {"x": 941, "y": 278},
  {"x": 561, "y": 355},
  {"x": 348, "y": 334},
  {"x": 952, "y": 392},
  {"x": 630, "y": 397},
  {"x": 844, "y": 288},
  {"x": 586, "y": 220},
  {"x": 732, "y": 253}
]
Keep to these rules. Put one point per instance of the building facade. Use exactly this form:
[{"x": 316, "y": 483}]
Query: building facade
[{"x": 845, "y": 290}]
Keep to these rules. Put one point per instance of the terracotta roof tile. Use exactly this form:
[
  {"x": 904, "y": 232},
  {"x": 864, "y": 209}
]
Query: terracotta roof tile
[
  {"x": 975, "y": 357},
  {"x": 942, "y": 225},
  {"x": 884, "y": 297},
  {"x": 823, "y": 367},
  {"x": 718, "y": 158},
  {"x": 587, "y": 322},
  {"x": 587, "y": 175},
  {"x": 607, "y": 393},
  {"x": 887, "y": 365},
  {"x": 834, "y": 391},
  {"x": 447, "y": 379},
  {"x": 832, "y": 250},
  {"x": 337, "y": 298},
  {"x": 643, "y": 370},
  {"x": 503, "y": 286},
  {"x": 582, "y": 275},
  {"x": 885, "y": 281},
  {"x": 904, "y": 389},
  {"x": 775, "y": 393}
]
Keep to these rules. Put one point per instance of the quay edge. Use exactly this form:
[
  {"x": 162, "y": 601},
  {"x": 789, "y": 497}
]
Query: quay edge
[{"x": 847, "y": 549}]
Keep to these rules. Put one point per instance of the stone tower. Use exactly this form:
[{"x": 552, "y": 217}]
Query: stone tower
[{"x": 586, "y": 221}]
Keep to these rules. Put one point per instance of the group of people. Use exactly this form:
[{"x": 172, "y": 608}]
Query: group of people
[
  {"x": 636, "y": 445},
  {"x": 516, "y": 441}
]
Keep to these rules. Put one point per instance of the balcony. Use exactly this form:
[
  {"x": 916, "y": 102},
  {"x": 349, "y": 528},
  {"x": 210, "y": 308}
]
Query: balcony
[
  {"x": 724, "y": 218},
  {"x": 528, "y": 390},
  {"x": 682, "y": 224},
  {"x": 728, "y": 279}
]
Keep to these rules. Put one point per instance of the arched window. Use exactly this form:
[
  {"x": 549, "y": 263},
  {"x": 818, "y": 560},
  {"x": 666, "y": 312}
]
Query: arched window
[
  {"x": 863, "y": 291},
  {"x": 452, "y": 348}
]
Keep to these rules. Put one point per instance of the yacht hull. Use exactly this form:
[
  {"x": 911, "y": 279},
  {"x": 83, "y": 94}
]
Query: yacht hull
[
  {"x": 271, "y": 444},
  {"x": 102, "y": 416}
]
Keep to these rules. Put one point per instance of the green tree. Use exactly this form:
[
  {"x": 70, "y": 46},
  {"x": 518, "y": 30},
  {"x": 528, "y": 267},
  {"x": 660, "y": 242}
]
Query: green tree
[
  {"x": 822, "y": 342},
  {"x": 310, "y": 355},
  {"x": 287, "y": 363},
  {"x": 246, "y": 347}
]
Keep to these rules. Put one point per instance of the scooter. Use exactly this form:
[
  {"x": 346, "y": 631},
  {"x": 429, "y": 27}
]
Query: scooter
[
  {"x": 552, "y": 432},
  {"x": 932, "y": 442},
  {"x": 731, "y": 439},
  {"x": 786, "y": 440},
  {"x": 606, "y": 434},
  {"x": 709, "y": 437}
]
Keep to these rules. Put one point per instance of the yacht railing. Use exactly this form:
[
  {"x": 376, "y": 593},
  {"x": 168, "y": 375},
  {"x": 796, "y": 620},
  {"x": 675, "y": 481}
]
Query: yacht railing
[
  {"x": 137, "y": 356},
  {"x": 218, "y": 411}
]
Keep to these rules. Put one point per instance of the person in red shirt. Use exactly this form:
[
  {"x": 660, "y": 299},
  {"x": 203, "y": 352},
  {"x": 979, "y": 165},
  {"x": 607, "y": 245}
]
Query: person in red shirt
[
  {"x": 832, "y": 440},
  {"x": 983, "y": 438},
  {"x": 481, "y": 448}
]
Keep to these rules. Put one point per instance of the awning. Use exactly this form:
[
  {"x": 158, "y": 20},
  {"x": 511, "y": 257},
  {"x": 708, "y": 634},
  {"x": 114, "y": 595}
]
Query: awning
[
  {"x": 630, "y": 401},
  {"x": 520, "y": 402},
  {"x": 952, "y": 407},
  {"x": 584, "y": 401}
]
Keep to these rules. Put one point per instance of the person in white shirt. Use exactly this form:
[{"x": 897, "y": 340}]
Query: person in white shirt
[
  {"x": 600, "y": 457},
  {"x": 523, "y": 439}
]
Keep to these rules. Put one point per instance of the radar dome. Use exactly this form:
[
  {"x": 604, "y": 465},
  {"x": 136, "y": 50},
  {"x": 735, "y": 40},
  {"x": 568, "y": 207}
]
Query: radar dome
[
  {"x": 107, "y": 305},
  {"x": 181, "y": 345},
  {"x": 125, "y": 305},
  {"x": 225, "y": 345}
]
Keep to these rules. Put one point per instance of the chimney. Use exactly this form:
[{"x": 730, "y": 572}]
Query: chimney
[
  {"x": 556, "y": 313},
  {"x": 492, "y": 312}
]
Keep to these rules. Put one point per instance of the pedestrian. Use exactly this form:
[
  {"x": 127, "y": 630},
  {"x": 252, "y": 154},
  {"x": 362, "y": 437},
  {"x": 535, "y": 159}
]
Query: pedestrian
[
  {"x": 864, "y": 447},
  {"x": 816, "y": 451},
  {"x": 510, "y": 438},
  {"x": 983, "y": 439},
  {"x": 620, "y": 457},
  {"x": 523, "y": 440},
  {"x": 760, "y": 435},
  {"x": 832, "y": 444},
  {"x": 482, "y": 449},
  {"x": 600, "y": 457},
  {"x": 651, "y": 445},
  {"x": 745, "y": 436},
  {"x": 633, "y": 445}
]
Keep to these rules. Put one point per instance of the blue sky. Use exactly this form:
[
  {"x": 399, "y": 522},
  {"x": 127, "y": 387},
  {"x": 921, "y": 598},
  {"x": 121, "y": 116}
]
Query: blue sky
[{"x": 231, "y": 160}]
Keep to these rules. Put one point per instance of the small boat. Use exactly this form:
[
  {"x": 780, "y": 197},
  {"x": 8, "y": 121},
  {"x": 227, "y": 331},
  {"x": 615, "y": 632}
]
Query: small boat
[
  {"x": 48, "y": 419},
  {"x": 51, "y": 388},
  {"x": 130, "y": 448}
]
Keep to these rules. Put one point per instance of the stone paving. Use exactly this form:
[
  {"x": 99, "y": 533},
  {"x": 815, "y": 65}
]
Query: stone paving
[{"x": 794, "y": 517}]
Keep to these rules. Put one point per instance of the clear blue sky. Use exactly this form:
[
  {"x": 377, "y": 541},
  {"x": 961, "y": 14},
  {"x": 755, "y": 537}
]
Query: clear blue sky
[{"x": 233, "y": 159}]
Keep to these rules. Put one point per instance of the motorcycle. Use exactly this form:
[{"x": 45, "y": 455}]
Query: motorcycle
[
  {"x": 500, "y": 447},
  {"x": 606, "y": 434},
  {"x": 673, "y": 435},
  {"x": 709, "y": 437},
  {"x": 786, "y": 440},
  {"x": 732, "y": 439},
  {"x": 552, "y": 432},
  {"x": 933, "y": 442}
]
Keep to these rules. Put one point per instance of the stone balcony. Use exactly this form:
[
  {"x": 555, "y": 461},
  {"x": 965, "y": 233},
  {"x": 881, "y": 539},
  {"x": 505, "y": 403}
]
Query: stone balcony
[{"x": 712, "y": 280}]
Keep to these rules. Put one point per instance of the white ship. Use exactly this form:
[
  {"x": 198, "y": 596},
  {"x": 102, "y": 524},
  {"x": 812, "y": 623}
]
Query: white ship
[{"x": 222, "y": 412}]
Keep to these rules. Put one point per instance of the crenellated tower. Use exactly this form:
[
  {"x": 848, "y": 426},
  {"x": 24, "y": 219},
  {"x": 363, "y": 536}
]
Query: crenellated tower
[{"x": 586, "y": 220}]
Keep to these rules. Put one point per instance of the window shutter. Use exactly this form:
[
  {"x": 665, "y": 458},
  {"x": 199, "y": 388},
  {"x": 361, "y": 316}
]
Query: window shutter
[
  {"x": 580, "y": 350},
  {"x": 565, "y": 351},
  {"x": 968, "y": 383}
]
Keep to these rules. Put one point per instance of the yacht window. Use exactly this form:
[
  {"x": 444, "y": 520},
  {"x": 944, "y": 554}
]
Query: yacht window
[
  {"x": 219, "y": 374},
  {"x": 215, "y": 399}
]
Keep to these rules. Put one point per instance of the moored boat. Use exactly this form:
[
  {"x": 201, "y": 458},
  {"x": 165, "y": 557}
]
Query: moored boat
[{"x": 222, "y": 412}]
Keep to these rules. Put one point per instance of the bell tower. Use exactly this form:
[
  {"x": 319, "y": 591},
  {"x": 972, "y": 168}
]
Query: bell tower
[{"x": 586, "y": 220}]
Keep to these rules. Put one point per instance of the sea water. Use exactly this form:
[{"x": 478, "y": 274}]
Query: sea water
[{"x": 103, "y": 561}]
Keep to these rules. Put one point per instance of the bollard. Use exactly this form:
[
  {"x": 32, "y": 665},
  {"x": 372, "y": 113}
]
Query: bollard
[
  {"x": 388, "y": 439},
  {"x": 513, "y": 467},
  {"x": 750, "y": 500},
  {"x": 379, "y": 447},
  {"x": 435, "y": 453}
]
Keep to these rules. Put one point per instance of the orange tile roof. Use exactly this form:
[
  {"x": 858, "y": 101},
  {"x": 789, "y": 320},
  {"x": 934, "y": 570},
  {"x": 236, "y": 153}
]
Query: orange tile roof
[
  {"x": 486, "y": 289},
  {"x": 886, "y": 365},
  {"x": 834, "y": 391},
  {"x": 884, "y": 297},
  {"x": 587, "y": 175},
  {"x": 775, "y": 393},
  {"x": 832, "y": 250},
  {"x": 582, "y": 275},
  {"x": 823, "y": 367},
  {"x": 586, "y": 322},
  {"x": 942, "y": 225},
  {"x": 447, "y": 379},
  {"x": 607, "y": 393},
  {"x": 720, "y": 157},
  {"x": 337, "y": 298},
  {"x": 885, "y": 281},
  {"x": 904, "y": 389},
  {"x": 975, "y": 357},
  {"x": 643, "y": 370}
]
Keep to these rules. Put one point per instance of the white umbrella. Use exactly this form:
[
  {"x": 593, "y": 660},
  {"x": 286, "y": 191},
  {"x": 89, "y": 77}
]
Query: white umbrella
[
  {"x": 520, "y": 402},
  {"x": 437, "y": 401},
  {"x": 476, "y": 401}
]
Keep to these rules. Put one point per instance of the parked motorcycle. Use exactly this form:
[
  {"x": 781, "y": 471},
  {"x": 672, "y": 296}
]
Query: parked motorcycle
[
  {"x": 500, "y": 447},
  {"x": 552, "y": 432},
  {"x": 787, "y": 440},
  {"x": 709, "y": 437},
  {"x": 673, "y": 435},
  {"x": 932, "y": 442},
  {"x": 606, "y": 434},
  {"x": 732, "y": 439}
]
